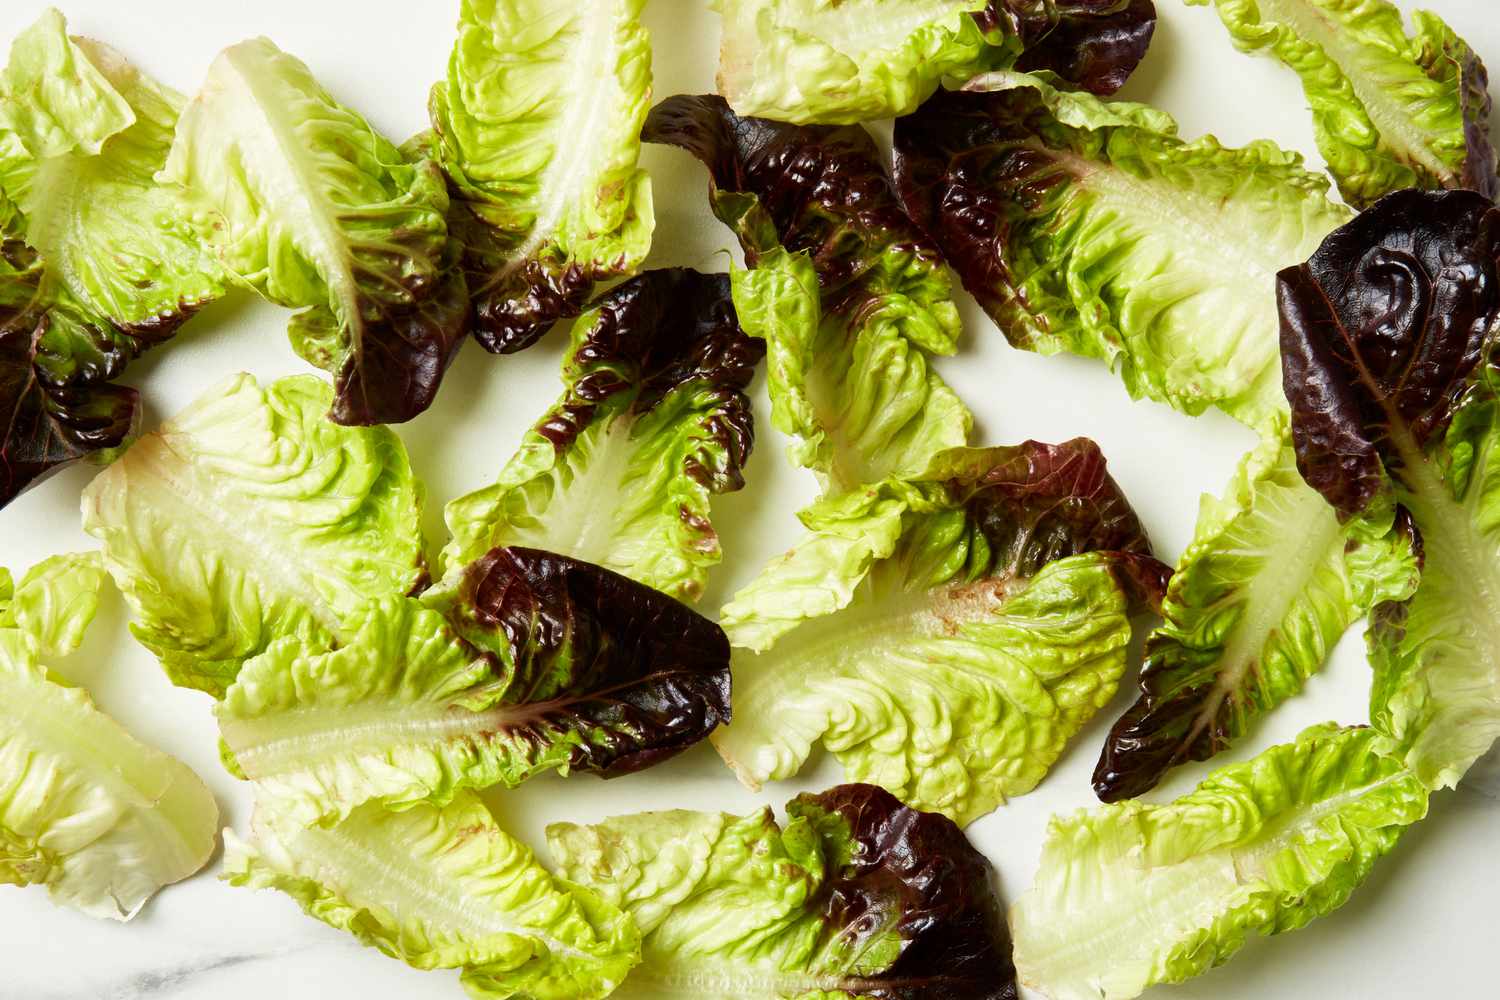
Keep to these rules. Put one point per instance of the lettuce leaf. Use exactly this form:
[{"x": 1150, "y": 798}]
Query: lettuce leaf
[
  {"x": 1135, "y": 894},
  {"x": 301, "y": 199},
  {"x": 56, "y": 403},
  {"x": 98, "y": 262},
  {"x": 857, "y": 896},
  {"x": 99, "y": 819},
  {"x": 1092, "y": 228},
  {"x": 248, "y": 518},
  {"x": 1390, "y": 110},
  {"x": 944, "y": 638},
  {"x": 1270, "y": 582},
  {"x": 537, "y": 662},
  {"x": 444, "y": 888},
  {"x": 538, "y": 127},
  {"x": 1388, "y": 334},
  {"x": 849, "y": 297},
  {"x": 654, "y": 422},
  {"x": 845, "y": 61}
]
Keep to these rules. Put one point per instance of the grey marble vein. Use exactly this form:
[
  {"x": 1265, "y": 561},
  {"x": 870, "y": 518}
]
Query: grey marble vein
[{"x": 160, "y": 983}]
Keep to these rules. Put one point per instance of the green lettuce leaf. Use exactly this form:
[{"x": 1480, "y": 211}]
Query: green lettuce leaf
[
  {"x": 1092, "y": 228},
  {"x": 1270, "y": 582},
  {"x": 944, "y": 638},
  {"x": 54, "y": 604},
  {"x": 843, "y": 62},
  {"x": 114, "y": 238},
  {"x": 57, "y": 100},
  {"x": 1135, "y": 894},
  {"x": 538, "y": 126},
  {"x": 445, "y": 888},
  {"x": 99, "y": 819},
  {"x": 654, "y": 422},
  {"x": 536, "y": 662},
  {"x": 304, "y": 201},
  {"x": 248, "y": 518},
  {"x": 1390, "y": 110},
  {"x": 858, "y": 896},
  {"x": 849, "y": 297}
]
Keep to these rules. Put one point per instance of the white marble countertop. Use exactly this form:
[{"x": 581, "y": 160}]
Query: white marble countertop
[{"x": 1424, "y": 924}]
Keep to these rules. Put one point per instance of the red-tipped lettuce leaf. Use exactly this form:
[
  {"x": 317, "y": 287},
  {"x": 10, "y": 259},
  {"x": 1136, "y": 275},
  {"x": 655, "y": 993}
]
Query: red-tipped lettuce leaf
[
  {"x": 856, "y": 895},
  {"x": 653, "y": 423},
  {"x": 533, "y": 661}
]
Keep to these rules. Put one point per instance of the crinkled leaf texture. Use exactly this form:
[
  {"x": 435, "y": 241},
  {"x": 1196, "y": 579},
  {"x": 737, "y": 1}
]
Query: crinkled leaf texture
[
  {"x": 1271, "y": 581},
  {"x": 444, "y": 888},
  {"x": 300, "y": 198},
  {"x": 846, "y": 61},
  {"x": 1093, "y": 44},
  {"x": 1391, "y": 111},
  {"x": 654, "y": 422},
  {"x": 538, "y": 661},
  {"x": 1135, "y": 894},
  {"x": 57, "y": 404},
  {"x": 109, "y": 268},
  {"x": 858, "y": 896},
  {"x": 945, "y": 637},
  {"x": 850, "y": 298},
  {"x": 1092, "y": 228},
  {"x": 99, "y": 819},
  {"x": 1388, "y": 340},
  {"x": 249, "y": 518},
  {"x": 538, "y": 127}
]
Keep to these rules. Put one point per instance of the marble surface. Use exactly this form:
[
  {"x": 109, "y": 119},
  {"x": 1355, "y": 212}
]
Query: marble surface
[{"x": 1422, "y": 926}]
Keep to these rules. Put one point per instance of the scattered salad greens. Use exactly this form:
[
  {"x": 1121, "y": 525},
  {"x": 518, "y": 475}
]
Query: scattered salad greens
[
  {"x": 99, "y": 819},
  {"x": 954, "y": 614},
  {"x": 857, "y": 895}
]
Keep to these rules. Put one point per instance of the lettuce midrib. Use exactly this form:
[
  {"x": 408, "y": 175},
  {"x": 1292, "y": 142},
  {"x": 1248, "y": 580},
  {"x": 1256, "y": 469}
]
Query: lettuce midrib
[
  {"x": 347, "y": 863},
  {"x": 1307, "y": 533},
  {"x": 1204, "y": 890}
]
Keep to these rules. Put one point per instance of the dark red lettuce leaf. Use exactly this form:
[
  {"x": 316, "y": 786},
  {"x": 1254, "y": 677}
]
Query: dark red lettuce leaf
[
  {"x": 58, "y": 401},
  {"x": 1043, "y": 502},
  {"x": 978, "y": 173},
  {"x": 918, "y": 872},
  {"x": 1095, "y": 44},
  {"x": 638, "y": 675},
  {"x": 815, "y": 188},
  {"x": 1380, "y": 332},
  {"x": 393, "y": 374},
  {"x": 515, "y": 303},
  {"x": 658, "y": 332}
]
